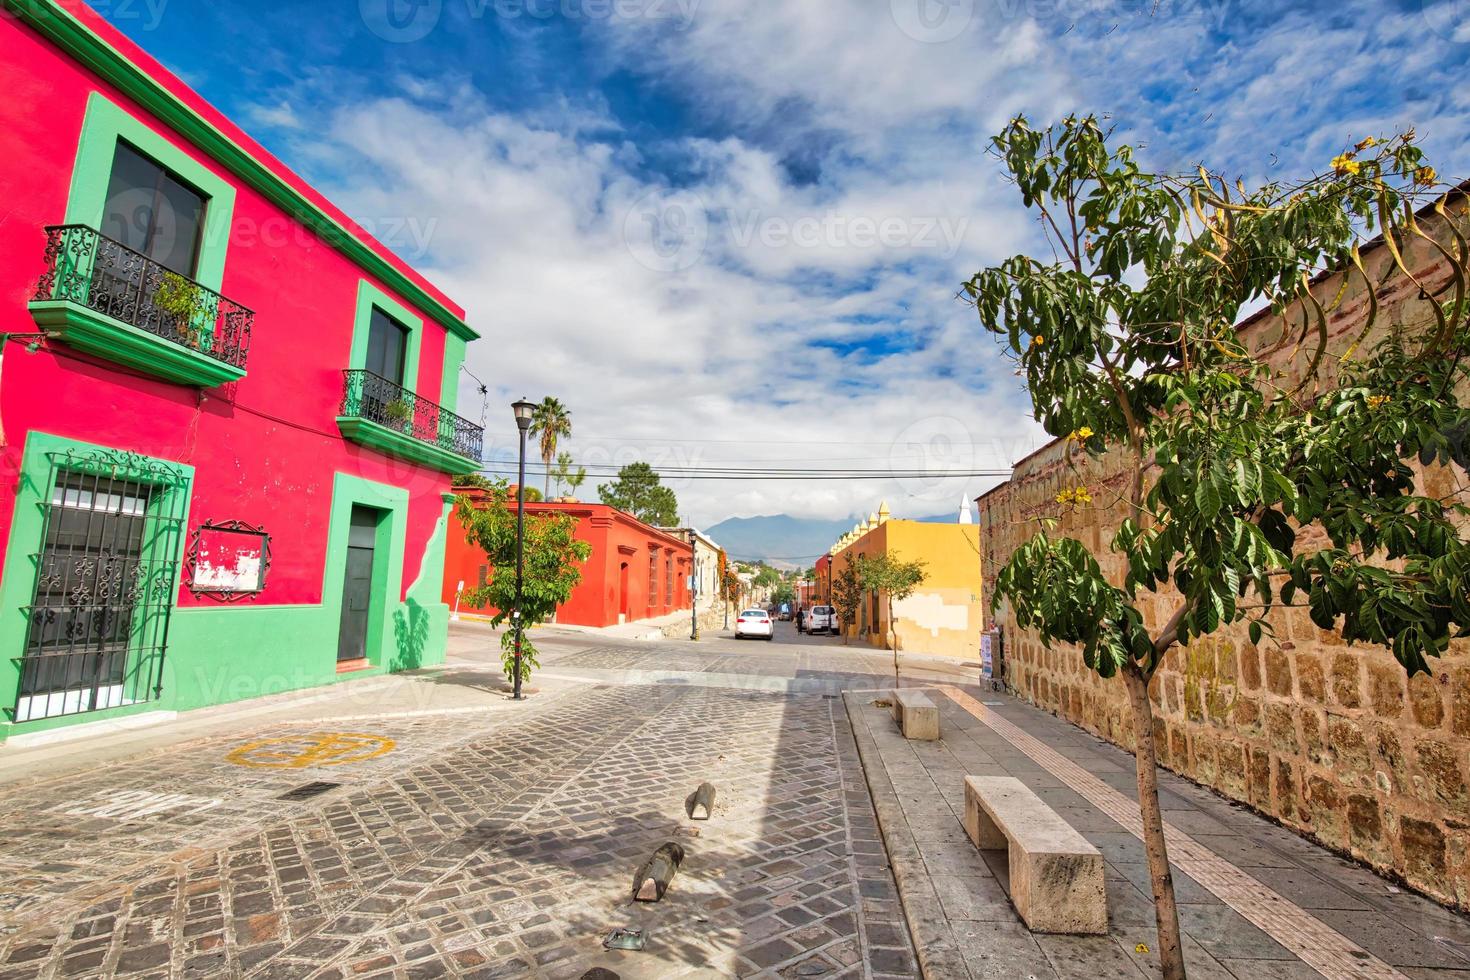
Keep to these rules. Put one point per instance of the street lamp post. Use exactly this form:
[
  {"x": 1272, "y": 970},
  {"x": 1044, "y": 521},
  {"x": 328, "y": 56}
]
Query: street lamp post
[
  {"x": 694, "y": 599},
  {"x": 523, "y": 410}
]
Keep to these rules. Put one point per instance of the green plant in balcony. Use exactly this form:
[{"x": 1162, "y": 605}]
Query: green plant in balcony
[
  {"x": 398, "y": 413},
  {"x": 181, "y": 303}
]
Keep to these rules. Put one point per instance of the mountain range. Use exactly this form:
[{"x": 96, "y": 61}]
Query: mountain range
[{"x": 784, "y": 541}]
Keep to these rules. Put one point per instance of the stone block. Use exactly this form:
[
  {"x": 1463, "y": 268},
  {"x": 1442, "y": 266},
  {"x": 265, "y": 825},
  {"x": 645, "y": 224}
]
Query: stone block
[
  {"x": 1385, "y": 688},
  {"x": 1056, "y": 876},
  {"x": 918, "y": 717},
  {"x": 1281, "y": 728},
  {"x": 1260, "y": 778},
  {"x": 1278, "y": 672},
  {"x": 1250, "y": 667},
  {"x": 1425, "y": 700},
  {"x": 1327, "y": 810},
  {"x": 1311, "y": 679},
  {"x": 1347, "y": 680},
  {"x": 1442, "y": 776},
  {"x": 1284, "y": 789},
  {"x": 1365, "y": 828},
  {"x": 1423, "y": 846},
  {"x": 1348, "y": 744},
  {"x": 1460, "y": 702}
]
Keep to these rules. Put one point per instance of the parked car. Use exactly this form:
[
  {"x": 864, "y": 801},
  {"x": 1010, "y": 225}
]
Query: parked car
[
  {"x": 821, "y": 619},
  {"x": 754, "y": 622},
  {"x": 785, "y": 612}
]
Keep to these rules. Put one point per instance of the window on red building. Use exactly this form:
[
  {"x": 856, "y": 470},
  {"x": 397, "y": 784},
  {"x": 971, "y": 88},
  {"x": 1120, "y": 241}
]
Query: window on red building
[{"x": 669, "y": 579}]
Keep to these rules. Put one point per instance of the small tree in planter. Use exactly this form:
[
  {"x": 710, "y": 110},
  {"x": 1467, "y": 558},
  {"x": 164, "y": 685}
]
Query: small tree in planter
[
  {"x": 1124, "y": 334},
  {"x": 897, "y": 580},
  {"x": 847, "y": 596},
  {"x": 553, "y": 560}
]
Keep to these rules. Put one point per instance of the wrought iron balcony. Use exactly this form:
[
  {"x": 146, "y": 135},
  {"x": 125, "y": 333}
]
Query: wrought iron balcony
[
  {"x": 91, "y": 273},
  {"x": 403, "y": 424}
]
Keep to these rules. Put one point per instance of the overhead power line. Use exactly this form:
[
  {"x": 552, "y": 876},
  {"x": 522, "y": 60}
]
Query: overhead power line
[{"x": 799, "y": 475}]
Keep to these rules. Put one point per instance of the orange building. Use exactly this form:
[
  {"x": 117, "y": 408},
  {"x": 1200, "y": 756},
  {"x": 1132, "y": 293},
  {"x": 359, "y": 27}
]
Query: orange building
[{"x": 635, "y": 570}]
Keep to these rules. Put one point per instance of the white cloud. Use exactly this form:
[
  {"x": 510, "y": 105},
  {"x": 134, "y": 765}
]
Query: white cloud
[{"x": 704, "y": 319}]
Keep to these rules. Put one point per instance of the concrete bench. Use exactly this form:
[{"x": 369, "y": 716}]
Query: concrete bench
[
  {"x": 917, "y": 716},
  {"x": 1056, "y": 875}
]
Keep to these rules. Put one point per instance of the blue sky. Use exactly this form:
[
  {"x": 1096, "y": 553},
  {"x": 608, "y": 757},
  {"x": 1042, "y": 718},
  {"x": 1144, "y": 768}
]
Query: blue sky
[{"x": 732, "y": 232}]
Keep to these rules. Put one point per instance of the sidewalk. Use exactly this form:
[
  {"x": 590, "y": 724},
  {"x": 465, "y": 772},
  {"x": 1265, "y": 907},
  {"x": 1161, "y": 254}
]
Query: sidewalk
[{"x": 1256, "y": 902}]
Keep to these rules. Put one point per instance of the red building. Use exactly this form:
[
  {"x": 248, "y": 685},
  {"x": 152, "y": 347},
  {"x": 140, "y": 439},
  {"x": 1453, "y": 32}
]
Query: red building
[
  {"x": 635, "y": 571},
  {"x": 228, "y": 412}
]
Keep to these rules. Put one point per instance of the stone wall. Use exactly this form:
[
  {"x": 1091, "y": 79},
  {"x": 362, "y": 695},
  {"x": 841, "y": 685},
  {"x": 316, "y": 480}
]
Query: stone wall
[{"x": 1333, "y": 741}]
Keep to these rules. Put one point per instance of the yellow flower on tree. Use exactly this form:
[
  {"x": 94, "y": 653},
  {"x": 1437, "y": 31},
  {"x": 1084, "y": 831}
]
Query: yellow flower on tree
[
  {"x": 1074, "y": 496},
  {"x": 1378, "y": 401},
  {"x": 1425, "y": 176},
  {"x": 1343, "y": 164},
  {"x": 1082, "y": 434},
  {"x": 1038, "y": 340},
  {"x": 1370, "y": 141}
]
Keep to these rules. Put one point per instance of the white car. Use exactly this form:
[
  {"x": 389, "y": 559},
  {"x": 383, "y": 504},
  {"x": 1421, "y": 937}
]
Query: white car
[
  {"x": 821, "y": 619},
  {"x": 754, "y": 622}
]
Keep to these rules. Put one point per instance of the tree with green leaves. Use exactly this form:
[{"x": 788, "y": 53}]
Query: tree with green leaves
[
  {"x": 1231, "y": 452},
  {"x": 552, "y": 567},
  {"x": 896, "y": 580},
  {"x": 847, "y": 595},
  {"x": 550, "y": 421},
  {"x": 568, "y": 478},
  {"x": 638, "y": 491}
]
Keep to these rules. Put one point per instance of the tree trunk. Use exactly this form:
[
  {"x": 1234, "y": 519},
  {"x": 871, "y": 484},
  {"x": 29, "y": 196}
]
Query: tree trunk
[
  {"x": 1171, "y": 953},
  {"x": 893, "y": 641}
]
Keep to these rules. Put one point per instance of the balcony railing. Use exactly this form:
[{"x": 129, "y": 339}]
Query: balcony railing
[
  {"x": 372, "y": 397},
  {"x": 85, "y": 267}
]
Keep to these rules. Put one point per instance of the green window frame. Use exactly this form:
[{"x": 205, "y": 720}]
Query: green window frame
[
  {"x": 105, "y": 125},
  {"x": 168, "y": 514},
  {"x": 368, "y": 297}
]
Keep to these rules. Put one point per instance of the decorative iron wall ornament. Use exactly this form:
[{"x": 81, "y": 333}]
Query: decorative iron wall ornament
[{"x": 228, "y": 560}]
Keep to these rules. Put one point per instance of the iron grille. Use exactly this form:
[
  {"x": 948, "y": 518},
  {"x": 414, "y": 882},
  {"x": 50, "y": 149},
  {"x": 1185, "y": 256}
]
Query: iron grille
[
  {"x": 112, "y": 533},
  {"x": 84, "y": 266},
  {"x": 370, "y": 396}
]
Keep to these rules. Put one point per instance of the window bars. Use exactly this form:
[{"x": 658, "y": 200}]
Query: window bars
[{"x": 112, "y": 533}]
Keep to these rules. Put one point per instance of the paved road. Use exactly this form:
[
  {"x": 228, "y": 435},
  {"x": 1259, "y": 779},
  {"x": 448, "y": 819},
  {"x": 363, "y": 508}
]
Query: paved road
[{"x": 427, "y": 826}]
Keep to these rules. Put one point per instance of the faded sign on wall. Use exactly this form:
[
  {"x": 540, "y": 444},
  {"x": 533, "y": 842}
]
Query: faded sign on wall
[{"x": 229, "y": 560}]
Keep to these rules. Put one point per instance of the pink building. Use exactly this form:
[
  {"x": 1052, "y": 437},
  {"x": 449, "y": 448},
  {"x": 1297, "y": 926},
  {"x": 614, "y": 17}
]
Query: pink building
[{"x": 228, "y": 412}]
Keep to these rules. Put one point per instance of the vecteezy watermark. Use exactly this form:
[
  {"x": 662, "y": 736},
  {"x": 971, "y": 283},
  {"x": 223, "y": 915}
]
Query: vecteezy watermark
[
  {"x": 667, "y": 232},
  {"x": 929, "y": 455},
  {"x": 1450, "y": 19},
  {"x": 670, "y": 232},
  {"x": 932, "y": 21},
  {"x": 406, "y": 21},
  {"x": 146, "y": 13}
]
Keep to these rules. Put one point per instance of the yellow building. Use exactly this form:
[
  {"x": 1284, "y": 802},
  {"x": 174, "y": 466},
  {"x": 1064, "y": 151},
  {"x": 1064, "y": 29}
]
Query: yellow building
[{"x": 944, "y": 615}]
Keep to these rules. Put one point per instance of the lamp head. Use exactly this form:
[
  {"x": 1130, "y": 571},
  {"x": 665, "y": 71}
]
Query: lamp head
[{"x": 523, "y": 409}]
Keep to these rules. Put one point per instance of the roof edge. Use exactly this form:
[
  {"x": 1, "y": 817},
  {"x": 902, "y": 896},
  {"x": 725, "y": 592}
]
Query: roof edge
[{"x": 86, "y": 37}]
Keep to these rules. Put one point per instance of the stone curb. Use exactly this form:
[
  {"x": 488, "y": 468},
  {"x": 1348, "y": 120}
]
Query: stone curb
[{"x": 934, "y": 943}]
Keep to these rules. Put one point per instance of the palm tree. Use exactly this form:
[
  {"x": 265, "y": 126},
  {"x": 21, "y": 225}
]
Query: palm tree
[{"x": 551, "y": 420}]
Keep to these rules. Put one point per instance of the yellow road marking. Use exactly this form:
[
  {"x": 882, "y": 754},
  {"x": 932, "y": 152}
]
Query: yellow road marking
[{"x": 316, "y": 749}]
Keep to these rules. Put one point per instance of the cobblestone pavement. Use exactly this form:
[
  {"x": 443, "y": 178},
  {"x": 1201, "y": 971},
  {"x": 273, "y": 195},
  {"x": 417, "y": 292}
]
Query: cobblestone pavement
[
  {"x": 473, "y": 848},
  {"x": 1256, "y": 901}
]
